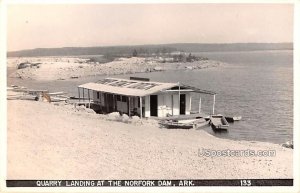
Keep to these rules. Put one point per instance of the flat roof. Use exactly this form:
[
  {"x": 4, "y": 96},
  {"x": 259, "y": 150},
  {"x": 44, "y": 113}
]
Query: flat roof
[
  {"x": 134, "y": 87},
  {"x": 127, "y": 87}
]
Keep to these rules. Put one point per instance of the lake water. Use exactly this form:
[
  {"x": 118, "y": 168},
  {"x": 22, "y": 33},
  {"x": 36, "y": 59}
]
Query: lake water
[{"x": 256, "y": 85}]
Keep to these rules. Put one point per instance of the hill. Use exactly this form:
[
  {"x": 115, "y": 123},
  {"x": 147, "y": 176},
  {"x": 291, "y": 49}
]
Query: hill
[{"x": 149, "y": 49}]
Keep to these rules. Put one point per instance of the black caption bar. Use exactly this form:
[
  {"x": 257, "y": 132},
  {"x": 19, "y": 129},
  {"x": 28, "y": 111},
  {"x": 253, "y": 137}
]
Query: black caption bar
[{"x": 147, "y": 183}]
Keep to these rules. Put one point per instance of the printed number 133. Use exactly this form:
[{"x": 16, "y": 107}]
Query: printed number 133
[{"x": 245, "y": 182}]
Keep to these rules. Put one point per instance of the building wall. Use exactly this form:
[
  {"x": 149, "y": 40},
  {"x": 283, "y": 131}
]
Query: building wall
[
  {"x": 147, "y": 106},
  {"x": 160, "y": 106},
  {"x": 167, "y": 103},
  {"x": 175, "y": 104},
  {"x": 164, "y": 104},
  {"x": 122, "y": 106},
  {"x": 135, "y": 105},
  {"x": 95, "y": 99},
  {"x": 188, "y": 101},
  {"x": 99, "y": 100},
  {"x": 102, "y": 99}
]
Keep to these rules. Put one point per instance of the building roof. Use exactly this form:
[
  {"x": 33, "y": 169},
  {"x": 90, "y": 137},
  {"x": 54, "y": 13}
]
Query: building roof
[
  {"x": 128, "y": 87},
  {"x": 134, "y": 87},
  {"x": 198, "y": 90}
]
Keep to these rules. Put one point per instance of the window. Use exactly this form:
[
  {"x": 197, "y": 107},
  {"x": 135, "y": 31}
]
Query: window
[
  {"x": 98, "y": 95},
  {"x": 118, "y": 98},
  {"x": 124, "y": 99}
]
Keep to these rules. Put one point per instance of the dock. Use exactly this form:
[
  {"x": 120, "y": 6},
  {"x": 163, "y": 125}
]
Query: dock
[
  {"x": 183, "y": 117},
  {"x": 85, "y": 103},
  {"x": 24, "y": 93}
]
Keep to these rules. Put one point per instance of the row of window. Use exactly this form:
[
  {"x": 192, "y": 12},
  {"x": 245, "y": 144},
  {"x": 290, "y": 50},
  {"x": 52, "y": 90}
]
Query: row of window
[{"x": 118, "y": 97}]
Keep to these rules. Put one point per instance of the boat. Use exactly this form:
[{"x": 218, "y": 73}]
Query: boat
[
  {"x": 219, "y": 123},
  {"x": 201, "y": 125},
  {"x": 288, "y": 144},
  {"x": 233, "y": 119},
  {"x": 238, "y": 118},
  {"x": 183, "y": 117},
  {"x": 184, "y": 123},
  {"x": 175, "y": 125},
  {"x": 229, "y": 119}
]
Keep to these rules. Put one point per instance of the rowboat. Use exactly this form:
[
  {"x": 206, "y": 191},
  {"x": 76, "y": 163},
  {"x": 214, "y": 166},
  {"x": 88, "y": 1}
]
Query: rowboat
[
  {"x": 184, "y": 124},
  {"x": 233, "y": 119},
  {"x": 202, "y": 124},
  {"x": 238, "y": 118},
  {"x": 175, "y": 125},
  {"x": 219, "y": 123}
]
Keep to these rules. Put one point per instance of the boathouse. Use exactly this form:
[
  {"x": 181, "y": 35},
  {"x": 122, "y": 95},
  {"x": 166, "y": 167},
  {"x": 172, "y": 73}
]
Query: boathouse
[{"x": 140, "y": 96}]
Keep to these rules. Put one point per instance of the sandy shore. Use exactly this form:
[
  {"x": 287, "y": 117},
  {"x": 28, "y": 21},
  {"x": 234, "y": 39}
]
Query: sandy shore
[
  {"x": 67, "y": 68},
  {"x": 46, "y": 141}
]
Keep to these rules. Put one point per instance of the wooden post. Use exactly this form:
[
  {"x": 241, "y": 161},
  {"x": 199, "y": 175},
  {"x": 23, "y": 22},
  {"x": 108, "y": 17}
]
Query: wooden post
[
  {"x": 100, "y": 101},
  {"x": 106, "y": 102},
  {"x": 114, "y": 102},
  {"x": 213, "y": 110},
  {"x": 141, "y": 108},
  {"x": 190, "y": 107},
  {"x": 129, "y": 106},
  {"x": 79, "y": 94},
  {"x": 172, "y": 96},
  {"x": 83, "y": 94},
  {"x": 89, "y": 98},
  {"x": 200, "y": 105},
  {"x": 178, "y": 98}
]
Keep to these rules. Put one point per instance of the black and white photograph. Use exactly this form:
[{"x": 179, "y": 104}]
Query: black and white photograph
[{"x": 149, "y": 95}]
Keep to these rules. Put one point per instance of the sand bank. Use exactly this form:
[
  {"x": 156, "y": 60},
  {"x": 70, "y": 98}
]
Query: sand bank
[
  {"x": 67, "y": 68},
  {"x": 46, "y": 141}
]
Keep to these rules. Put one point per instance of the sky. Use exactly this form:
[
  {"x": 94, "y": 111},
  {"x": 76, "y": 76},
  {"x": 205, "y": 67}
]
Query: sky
[{"x": 81, "y": 25}]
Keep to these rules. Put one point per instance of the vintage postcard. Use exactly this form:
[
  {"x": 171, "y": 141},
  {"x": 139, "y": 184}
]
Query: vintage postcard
[{"x": 176, "y": 96}]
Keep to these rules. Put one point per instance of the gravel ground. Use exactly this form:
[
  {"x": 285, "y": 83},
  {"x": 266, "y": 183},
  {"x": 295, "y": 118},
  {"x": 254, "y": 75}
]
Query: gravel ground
[{"x": 47, "y": 141}]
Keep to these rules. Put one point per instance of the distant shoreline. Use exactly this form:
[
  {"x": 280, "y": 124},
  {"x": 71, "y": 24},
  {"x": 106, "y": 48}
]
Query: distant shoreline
[
  {"x": 151, "y": 48},
  {"x": 91, "y": 55}
]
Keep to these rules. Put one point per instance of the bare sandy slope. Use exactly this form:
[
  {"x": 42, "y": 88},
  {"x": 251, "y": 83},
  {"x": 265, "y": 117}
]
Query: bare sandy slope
[
  {"x": 54, "y": 142},
  {"x": 66, "y": 68}
]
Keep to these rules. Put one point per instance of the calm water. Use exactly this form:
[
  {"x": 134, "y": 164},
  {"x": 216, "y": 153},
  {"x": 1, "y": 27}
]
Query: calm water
[{"x": 255, "y": 85}]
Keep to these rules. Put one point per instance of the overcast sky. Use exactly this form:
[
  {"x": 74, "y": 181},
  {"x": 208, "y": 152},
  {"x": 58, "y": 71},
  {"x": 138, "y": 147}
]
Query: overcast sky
[{"x": 39, "y": 26}]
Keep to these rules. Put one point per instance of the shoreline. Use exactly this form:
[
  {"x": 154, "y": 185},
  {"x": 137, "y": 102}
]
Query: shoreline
[
  {"x": 74, "y": 68},
  {"x": 85, "y": 145}
]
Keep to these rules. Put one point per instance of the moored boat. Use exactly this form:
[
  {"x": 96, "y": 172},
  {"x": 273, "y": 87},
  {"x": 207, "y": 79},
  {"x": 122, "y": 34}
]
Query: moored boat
[
  {"x": 184, "y": 124},
  {"x": 237, "y": 118},
  {"x": 233, "y": 119},
  {"x": 218, "y": 122}
]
